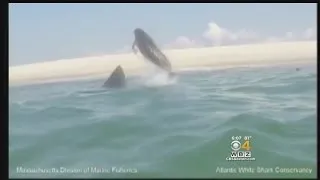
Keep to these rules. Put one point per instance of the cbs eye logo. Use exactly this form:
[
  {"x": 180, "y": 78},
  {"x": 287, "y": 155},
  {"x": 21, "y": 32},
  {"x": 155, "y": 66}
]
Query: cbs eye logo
[{"x": 236, "y": 145}]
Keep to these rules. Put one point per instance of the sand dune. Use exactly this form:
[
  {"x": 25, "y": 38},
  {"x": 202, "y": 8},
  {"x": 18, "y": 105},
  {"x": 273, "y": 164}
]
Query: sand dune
[{"x": 97, "y": 67}]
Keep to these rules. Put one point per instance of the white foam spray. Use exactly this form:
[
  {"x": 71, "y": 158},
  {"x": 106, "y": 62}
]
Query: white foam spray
[{"x": 155, "y": 76}]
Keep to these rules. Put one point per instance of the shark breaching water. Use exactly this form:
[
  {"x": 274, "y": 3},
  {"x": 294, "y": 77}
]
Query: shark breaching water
[
  {"x": 117, "y": 79},
  {"x": 150, "y": 51}
]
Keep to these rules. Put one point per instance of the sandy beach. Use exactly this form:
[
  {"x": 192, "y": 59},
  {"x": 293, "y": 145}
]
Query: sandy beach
[{"x": 223, "y": 56}]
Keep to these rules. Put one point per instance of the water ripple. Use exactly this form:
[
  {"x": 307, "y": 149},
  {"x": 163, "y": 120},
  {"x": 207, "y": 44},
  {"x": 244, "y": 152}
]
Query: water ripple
[{"x": 182, "y": 129}]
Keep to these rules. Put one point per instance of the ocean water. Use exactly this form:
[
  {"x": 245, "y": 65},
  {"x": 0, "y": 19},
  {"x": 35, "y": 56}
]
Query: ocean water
[{"x": 159, "y": 128}]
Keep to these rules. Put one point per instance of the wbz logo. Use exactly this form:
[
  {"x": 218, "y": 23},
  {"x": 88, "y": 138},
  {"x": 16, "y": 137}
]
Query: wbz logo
[
  {"x": 240, "y": 151},
  {"x": 244, "y": 154}
]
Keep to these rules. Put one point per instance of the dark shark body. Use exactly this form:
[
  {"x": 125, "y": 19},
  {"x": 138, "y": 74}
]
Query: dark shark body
[
  {"x": 117, "y": 79},
  {"x": 150, "y": 51}
]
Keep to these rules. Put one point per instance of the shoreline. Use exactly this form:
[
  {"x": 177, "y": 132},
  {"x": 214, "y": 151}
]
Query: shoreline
[
  {"x": 199, "y": 69},
  {"x": 209, "y": 57}
]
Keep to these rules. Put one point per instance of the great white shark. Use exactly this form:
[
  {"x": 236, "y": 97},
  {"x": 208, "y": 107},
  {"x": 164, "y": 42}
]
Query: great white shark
[
  {"x": 117, "y": 79},
  {"x": 150, "y": 50}
]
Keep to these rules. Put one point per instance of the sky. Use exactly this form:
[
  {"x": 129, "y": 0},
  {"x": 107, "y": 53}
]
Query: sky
[{"x": 46, "y": 32}]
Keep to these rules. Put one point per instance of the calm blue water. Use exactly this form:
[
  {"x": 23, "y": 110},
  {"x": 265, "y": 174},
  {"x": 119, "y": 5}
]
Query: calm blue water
[{"x": 155, "y": 128}]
